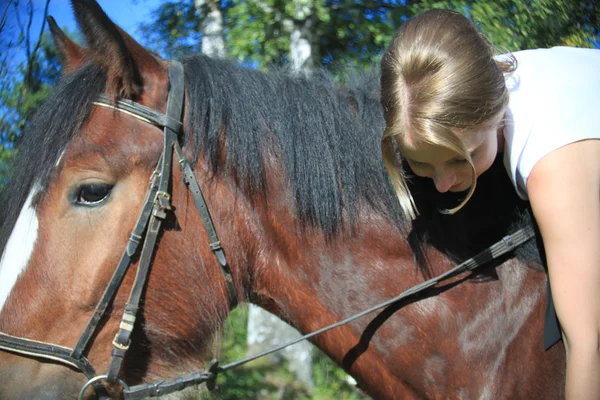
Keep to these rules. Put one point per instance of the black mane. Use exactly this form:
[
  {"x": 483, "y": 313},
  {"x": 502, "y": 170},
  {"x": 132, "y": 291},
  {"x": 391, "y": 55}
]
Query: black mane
[{"x": 329, "y": 137}]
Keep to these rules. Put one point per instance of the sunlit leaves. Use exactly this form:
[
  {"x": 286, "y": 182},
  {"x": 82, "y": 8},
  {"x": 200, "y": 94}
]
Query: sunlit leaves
[{"x": 513, "y": 25}]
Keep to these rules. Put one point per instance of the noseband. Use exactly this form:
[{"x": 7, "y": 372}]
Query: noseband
[{"x": 147, "y": 228}]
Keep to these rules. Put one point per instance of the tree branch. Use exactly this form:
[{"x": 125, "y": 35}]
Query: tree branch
[
  {"x": 4, "y": 16},
  {"x": 18, "y": 18},
  {"x": 27, "y": 37},
  {"x": 31, "y": 57}
]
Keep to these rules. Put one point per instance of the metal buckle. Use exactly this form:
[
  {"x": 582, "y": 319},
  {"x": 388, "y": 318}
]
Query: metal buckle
[
  {"x": 508, "y": 241},
  {"x": 162, "y": 203},
  {"x": 120, "y": 346},
  {"x": 153, "y": 178},
  {"x": 100, "y": 378}
]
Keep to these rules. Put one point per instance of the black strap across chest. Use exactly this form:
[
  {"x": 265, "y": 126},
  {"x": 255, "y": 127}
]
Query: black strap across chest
[{"x": 153, "y": 212}]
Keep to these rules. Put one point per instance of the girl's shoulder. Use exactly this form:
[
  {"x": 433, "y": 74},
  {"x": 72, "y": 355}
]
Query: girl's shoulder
[
  {"x": 554, "y": 101},
  {"x": 555, "y": 70}
]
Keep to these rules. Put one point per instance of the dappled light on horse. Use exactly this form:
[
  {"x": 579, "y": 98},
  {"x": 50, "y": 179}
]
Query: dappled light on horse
[{"x": 291, "y": 174}]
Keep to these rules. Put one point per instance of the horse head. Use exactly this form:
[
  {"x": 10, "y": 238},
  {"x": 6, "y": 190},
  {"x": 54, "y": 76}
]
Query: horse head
[{"x": 81, "y": 178}]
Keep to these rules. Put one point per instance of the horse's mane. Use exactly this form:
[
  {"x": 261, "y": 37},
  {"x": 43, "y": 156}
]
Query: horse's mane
[
  {"x": 54, "y": 125},
  {"x": 328, "y": 136}
]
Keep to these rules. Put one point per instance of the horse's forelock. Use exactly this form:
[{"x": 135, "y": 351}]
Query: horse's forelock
[{"x": 54, "y": 125}]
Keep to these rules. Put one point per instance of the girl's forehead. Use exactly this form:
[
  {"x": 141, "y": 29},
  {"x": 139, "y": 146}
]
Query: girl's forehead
[
  {"x": 423, "y": 151},
  {"x": 426, "y": 152}
]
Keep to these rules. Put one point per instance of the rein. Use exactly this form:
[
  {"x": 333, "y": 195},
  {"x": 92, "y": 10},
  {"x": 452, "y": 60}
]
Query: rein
[{"x": 154, "y": 210}]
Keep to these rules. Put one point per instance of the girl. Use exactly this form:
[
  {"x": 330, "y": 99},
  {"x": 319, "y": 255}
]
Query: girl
[{"x": 451, "y": 106}]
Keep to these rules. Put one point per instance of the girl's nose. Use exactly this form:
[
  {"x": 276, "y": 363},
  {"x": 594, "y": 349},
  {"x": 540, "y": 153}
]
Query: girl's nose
[{"x": 444, "y": 180}]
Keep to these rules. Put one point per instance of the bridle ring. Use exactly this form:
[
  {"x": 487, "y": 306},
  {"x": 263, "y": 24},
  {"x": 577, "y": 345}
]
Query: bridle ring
[{"x": 96, "y": 379}]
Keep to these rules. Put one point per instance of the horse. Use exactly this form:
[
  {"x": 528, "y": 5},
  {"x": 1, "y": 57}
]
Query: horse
[{"x": 291, "y": 172}]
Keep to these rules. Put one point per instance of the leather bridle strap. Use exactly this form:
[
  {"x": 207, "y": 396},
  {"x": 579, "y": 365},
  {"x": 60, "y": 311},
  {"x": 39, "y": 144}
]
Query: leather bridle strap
[
  {"x": 215, "y": 245},
  {"x": 152, "y": 214},
  {"x": 115, "y": 282},
  {"x": 74, "y": 357},
  {"x": 161, "y": 205},
  {"x": 33, "y": 348}
]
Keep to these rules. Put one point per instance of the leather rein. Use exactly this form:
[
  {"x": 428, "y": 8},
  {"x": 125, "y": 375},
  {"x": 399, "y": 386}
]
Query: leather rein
[{"x": 154, "y": 211}]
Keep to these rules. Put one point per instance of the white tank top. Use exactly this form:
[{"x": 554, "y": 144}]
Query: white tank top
[{"x": 554, "y": 101}]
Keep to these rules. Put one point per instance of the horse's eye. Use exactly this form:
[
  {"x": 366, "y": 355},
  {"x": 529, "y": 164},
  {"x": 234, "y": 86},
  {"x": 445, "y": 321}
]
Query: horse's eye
[{"x": 92, "y": 194}]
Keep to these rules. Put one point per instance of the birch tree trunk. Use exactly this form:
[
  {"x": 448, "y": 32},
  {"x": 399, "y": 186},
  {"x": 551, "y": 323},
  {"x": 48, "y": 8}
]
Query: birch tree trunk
[
  {"x": 213, "y": 42},
  {"x": 265, "y": 330},
  {"x": 301, "y": 49}
]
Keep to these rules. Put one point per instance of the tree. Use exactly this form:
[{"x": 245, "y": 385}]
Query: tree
[
  {"x": 513, "y": 25},
  {"x": 211, "y": 27},
  {"x": 26, "y": 83},
  {"x": 261, "y": 32}
]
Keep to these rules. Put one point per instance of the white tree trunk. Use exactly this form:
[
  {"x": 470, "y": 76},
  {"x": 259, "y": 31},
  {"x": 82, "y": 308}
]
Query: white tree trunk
[
  {"x": 213, "y": 42},
  {"x": 300, "y": 51},
  {"x": 301, "y": 54},
  {"x": 264, "y": 329}
]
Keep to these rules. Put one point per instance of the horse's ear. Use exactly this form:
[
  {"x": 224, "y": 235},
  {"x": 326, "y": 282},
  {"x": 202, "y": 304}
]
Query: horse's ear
[
  {"x": 70, "y": 54},
  {"x": 152, "y": 70},
  {"x": 125, "y": 61}
]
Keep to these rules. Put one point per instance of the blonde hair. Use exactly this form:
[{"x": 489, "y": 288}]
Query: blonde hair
[{"x": 438, "y": 74}]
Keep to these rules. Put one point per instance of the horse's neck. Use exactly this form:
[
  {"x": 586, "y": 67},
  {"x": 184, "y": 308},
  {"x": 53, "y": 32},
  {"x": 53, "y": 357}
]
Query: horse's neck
[{"x": 312, "y": 284}]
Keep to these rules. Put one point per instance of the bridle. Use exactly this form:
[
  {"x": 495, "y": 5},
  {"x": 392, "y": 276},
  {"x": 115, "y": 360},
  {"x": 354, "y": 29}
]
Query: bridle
[{"x": 154, "y": 211}]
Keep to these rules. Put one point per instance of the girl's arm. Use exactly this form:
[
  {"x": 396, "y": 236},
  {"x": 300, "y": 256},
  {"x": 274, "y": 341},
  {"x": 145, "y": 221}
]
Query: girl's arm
[{"x": 564, "y": 190}]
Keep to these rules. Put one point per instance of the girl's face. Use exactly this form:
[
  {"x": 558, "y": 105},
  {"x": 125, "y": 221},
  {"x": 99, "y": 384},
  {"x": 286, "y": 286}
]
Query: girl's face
[{"x": 449, "y": 170}]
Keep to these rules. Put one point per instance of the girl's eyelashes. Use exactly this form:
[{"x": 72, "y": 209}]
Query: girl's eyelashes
[
  {"x": 458, "y": 161},
  {"x": 416, "y": 164}
]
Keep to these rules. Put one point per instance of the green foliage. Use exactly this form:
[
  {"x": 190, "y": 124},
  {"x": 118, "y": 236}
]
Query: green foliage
[
  {"x": 6, "y": 158},
  {"x": 23, "y": 89},
  {"x": 258, "y": 31},
  {"x": 351, "y": 32},
  {"x": 513, "y": 25},
  {"x": 264, "y": 380}
]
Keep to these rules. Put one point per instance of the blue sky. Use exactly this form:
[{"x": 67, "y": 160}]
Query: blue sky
[{"x": 128, "y": 14}]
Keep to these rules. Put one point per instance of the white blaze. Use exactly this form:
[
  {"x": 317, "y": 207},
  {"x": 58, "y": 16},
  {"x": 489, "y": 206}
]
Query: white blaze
[{"x": 18, "y": 249}]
